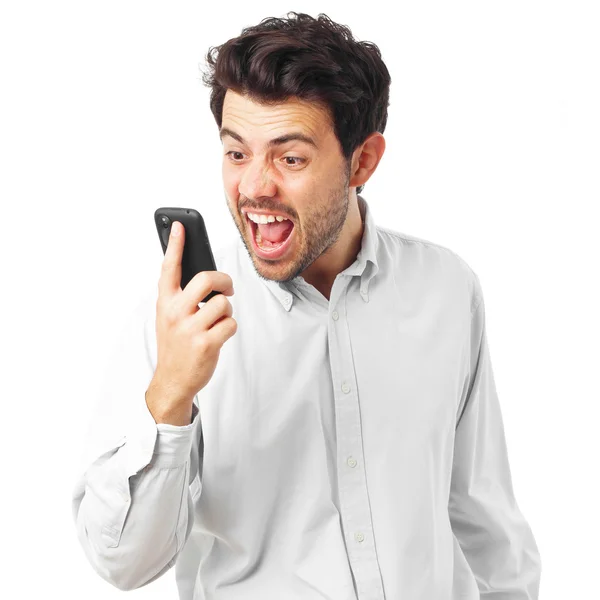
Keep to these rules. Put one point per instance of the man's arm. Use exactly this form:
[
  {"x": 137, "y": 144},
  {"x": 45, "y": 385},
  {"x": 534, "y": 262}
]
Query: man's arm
[
  {"x": 491, "y": 530},
  {"x": 132, "y": 503}
]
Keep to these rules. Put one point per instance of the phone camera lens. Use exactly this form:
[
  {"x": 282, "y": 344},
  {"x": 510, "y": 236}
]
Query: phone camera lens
[{"x": 165, "y": 221}]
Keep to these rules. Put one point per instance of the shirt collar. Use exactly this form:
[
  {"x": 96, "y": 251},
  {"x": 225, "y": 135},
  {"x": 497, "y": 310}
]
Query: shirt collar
[{"x": 365, "y": 265}]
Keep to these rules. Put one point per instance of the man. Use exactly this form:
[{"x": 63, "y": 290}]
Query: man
[{"x": 347, "y": 441}]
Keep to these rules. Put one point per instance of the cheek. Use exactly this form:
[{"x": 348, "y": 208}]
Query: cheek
[{"x": 231, "y": 183}]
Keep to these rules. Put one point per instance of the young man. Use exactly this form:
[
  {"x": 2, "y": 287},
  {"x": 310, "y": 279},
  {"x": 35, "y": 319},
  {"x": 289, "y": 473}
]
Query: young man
[{"x": 347, "y": 441}]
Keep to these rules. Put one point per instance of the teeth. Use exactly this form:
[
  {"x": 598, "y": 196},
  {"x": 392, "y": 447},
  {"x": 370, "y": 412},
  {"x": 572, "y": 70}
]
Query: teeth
[{"x": 266, "y": 218}]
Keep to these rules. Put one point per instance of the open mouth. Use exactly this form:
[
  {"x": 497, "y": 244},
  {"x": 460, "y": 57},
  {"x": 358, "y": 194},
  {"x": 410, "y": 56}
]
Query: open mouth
[{"x": 263, "y": 246}]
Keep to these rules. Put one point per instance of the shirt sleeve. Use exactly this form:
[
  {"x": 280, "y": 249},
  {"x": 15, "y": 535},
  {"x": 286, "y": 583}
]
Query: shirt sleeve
[
  {"x": 486, "y": 520},
  {"x": 133, "y": 502}
]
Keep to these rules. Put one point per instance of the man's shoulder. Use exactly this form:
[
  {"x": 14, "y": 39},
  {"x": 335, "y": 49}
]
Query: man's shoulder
[
  {"x": 411, "y": 246},
  {"x": 408, "y": 252}
]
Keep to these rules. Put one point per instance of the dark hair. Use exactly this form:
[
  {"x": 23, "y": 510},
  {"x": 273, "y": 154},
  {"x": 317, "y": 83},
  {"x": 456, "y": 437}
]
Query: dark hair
[{"x": 310, "y": 59}]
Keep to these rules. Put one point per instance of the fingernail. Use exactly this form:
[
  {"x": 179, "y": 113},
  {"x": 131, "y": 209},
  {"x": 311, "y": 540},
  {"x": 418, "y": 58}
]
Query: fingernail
[{"x": 175, "y": 228}]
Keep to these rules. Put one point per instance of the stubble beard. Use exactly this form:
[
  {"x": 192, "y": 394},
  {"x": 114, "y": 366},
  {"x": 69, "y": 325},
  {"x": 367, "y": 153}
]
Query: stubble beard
[{"x": 324, "y": 225}]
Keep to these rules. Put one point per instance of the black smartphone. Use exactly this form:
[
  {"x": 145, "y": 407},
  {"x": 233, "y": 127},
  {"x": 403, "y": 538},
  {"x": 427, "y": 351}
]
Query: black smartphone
[{"x": 197, "y": 253}]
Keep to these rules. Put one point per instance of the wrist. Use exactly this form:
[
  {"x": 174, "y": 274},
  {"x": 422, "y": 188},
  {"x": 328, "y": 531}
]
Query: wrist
[{"x": 169, "y": 408}]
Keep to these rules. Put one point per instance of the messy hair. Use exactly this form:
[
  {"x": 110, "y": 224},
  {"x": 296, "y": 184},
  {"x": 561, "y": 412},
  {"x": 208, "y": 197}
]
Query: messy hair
[{"x": 311, "y": 59}]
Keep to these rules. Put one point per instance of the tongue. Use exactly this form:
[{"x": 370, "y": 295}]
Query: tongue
[{"x": 276, "y": 231}]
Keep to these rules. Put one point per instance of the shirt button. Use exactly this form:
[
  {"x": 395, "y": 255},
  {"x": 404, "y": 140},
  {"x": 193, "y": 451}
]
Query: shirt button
[
  {"x": 359, "y": 537},
  {"x": 351, "y": 462},
  {"x": 345, "y": 388},
  {"x": 287, "y": 299},
  {"x": 334, "y": 315}
]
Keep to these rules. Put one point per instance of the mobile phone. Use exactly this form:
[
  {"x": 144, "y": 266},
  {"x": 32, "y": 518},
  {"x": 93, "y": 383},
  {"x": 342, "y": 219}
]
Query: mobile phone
[{"x": 197, "y": 253}]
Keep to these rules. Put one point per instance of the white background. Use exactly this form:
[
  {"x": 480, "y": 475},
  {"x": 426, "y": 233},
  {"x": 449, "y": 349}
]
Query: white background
[{"x": 492, "y": 150}]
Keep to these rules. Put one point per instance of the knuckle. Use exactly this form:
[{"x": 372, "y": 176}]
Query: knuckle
[
  {"x": 216, "y": 304},
  {"x": 188, "y": 327},
  {"x": 223, "y": 302},
  {"x": 232, "y": 325},
  {"x": 202, "y": 279},
  {"x": 201, "y": 344},
  {"x": 170, "y": 314}
]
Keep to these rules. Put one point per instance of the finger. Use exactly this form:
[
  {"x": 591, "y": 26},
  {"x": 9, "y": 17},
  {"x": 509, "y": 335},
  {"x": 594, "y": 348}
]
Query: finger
[
  {"x": 170, "y": 277},
  {"x": 216, "y": 308},
  {"x": 201, "y": 285},
  {"x": 221, "y": 331}
]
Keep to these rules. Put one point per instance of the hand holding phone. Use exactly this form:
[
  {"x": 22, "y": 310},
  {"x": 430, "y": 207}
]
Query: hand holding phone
[
  {"x": 197, "y": 253},
  {"x": 189, "y": 338}
]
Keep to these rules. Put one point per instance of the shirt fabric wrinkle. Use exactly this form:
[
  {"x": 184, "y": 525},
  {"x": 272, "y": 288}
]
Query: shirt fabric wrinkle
[{"x": 324, "y": 458}]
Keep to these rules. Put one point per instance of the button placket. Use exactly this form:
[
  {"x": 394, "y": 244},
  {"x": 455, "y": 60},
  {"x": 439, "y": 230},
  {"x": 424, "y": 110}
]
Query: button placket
[{"x": 354, "y": 502}]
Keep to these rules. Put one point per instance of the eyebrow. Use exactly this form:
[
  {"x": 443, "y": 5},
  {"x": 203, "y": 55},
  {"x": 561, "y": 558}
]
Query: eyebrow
[{"x": 278, "y": 141}]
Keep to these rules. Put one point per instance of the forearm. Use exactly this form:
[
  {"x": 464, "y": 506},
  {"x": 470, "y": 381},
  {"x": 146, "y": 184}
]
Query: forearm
[{"x": 132, "y": 526}]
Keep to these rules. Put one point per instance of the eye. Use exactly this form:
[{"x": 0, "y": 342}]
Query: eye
[{"x": 298, "y": 160}]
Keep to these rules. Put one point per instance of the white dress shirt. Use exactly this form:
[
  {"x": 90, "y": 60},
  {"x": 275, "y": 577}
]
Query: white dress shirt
[{"x": 350, "y": 448}]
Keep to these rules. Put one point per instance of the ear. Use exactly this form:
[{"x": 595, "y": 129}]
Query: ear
[{"x": 366, "y": 158}]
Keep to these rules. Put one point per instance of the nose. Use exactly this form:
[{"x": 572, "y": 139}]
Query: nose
[{"x": 256, "y": 181}]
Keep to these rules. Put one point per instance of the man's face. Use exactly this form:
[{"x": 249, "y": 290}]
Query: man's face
[{"x": 306, "y": 183}]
